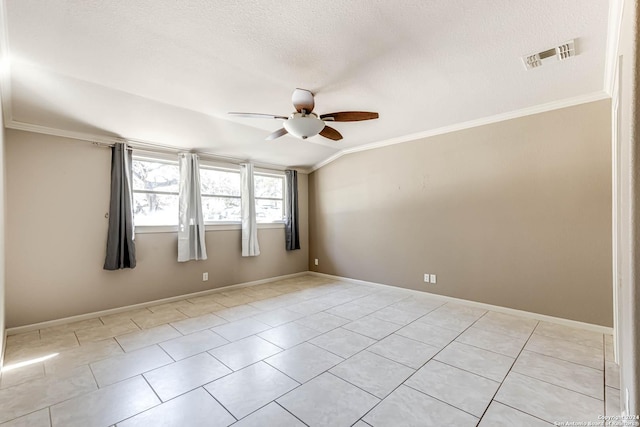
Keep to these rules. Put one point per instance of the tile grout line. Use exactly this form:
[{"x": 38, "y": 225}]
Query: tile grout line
[
  {"x": 154, "y": 392},
  {"x": 56, "y": 403},
  {"x": 388, "y": 358},
  {"x": 482, "y": 348},
  {"x": 167, "y": 353},
  {"x": 219, "y": 403},
  {"x": 565, "y": 360},
  {"x": 376, "y": 340},
  {"x": 94, "y": 376},
  {"x": 77, "y": 339},
  {"x": 169, "y": 400},
  {"x": 356, "y": 386},
  {"x": 433, "y": 358},
  {"x": 559, "y": 386},
  {"x": 523, "y": 349},
  {"x": 257, "y": 409},
  {"x": 442, "y": 401},
  {"x": 421, "y": 366},
  {"x": 509, "y": 371},
  {"x": 344, "y": 359},
  {"x": 570, "y": 341},
  {"x": 520, "y": 410},
  {"x": 292, "y": 414},
  {"x": 29, "y": 413},
  {"x": 466, "y": 370},
  {"x": 300, "y": 384},
  {"x": 328, "y": 371}
]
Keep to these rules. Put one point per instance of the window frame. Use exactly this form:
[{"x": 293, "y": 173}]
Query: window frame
[
  {"x": 163, "y": 159},
  {"x": 202, "y": 195},
  {"x": 215, "y": 165},
  {"x": 280, "y": 176}
]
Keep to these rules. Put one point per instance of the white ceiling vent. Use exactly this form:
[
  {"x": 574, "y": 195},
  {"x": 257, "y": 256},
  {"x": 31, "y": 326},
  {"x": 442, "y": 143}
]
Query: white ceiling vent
[{"x": 561, "y": 52}]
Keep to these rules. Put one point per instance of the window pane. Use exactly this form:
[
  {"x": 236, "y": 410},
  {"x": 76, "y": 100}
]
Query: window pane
[
  {"x": 220, "y": 209},
  {"x": 269, "y": 210},
  {"x": 155, "y": 209},
  {"x": 268, "y": 186},
  {"x": 155, "y": 176},
  {"x": 224, "y": 183}
]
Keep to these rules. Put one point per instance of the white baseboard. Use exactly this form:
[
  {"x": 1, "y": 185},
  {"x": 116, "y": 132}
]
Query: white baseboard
[
  {"x": 499, "y": 309},
  {"x": 558, "y": 320},
  {"x": 56, "y": 322}
]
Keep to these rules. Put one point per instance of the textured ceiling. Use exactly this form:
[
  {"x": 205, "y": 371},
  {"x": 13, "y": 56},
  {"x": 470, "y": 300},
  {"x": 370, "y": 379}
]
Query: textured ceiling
[{"x": 167, "y": 72}]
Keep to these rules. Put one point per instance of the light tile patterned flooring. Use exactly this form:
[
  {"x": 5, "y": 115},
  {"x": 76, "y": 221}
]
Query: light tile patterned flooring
[{"x": 308, "y": 351}]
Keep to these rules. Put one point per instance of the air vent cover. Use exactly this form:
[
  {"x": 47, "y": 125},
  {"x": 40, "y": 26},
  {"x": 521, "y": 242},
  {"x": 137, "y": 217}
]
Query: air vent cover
[{"x": 561, "y": 52}]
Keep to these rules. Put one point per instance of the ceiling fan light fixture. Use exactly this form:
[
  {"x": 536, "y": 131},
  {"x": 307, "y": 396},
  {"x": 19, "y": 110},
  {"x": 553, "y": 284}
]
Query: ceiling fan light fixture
[{"x": 303, "y": 125}]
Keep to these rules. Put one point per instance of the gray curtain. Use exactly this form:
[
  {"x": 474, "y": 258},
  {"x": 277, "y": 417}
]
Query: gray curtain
[
  {"x": 121, "y": 249},
  {"x": 291, "y": 211}
]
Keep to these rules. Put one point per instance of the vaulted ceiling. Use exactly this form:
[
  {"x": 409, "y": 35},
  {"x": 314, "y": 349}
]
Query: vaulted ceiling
[{"x": 167, "y": 72}]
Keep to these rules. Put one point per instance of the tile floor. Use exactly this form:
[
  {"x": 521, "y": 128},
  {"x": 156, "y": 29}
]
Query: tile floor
[{"x": 308, "y": 351}]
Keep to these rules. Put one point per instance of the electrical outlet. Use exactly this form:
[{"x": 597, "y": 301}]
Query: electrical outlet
[
  {"x": 316, "y": 261},
  {"x": 432, "y": 278},
  {"x": 426, "y": 277},
  {"x": 205, "y": 277}
]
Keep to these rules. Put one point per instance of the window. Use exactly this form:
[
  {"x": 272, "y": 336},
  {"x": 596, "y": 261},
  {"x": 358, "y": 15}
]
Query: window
[
  {"x": 269, "y": 195},
  {"x": 220, "y": 191},
  {"x": 155, "y": 192}
]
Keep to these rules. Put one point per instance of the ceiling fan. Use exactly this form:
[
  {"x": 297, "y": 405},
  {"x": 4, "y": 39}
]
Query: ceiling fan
[{"x": 304, "y": 123}]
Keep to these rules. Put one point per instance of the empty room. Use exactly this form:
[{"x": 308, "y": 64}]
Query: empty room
[{"x": 330, "y": 213}]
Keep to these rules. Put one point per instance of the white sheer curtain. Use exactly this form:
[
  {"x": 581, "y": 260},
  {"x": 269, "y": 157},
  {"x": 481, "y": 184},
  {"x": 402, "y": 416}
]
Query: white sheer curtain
[
  {"x": 191, "y": 243},
  {"x": 250, "y": 245}
]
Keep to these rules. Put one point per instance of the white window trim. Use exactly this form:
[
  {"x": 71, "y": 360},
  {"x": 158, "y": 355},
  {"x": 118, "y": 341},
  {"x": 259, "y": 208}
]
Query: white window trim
[
  {"x": 216, "y": 165},
  {"x": 229, "y": 168},
  {"x": 149, "y": 229},
  {"x": 164, "y": 158},
  {"x": 284, "y": 194}
]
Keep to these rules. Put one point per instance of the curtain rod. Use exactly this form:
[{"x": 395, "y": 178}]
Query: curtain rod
[
  {"x": 108, "y": 141},
  {"x": 160, "y": 149}
]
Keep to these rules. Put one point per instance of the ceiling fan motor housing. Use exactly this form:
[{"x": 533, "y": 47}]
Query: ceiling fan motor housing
[{"x": 303, "y": 125}]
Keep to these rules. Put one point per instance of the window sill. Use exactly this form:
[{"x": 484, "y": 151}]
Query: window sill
[{"x": 148, "y": 229}]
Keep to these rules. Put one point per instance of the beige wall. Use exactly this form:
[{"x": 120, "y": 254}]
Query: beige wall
[
  {"x": 57, "y": 197},
  {"x": 516, "y": 214}
]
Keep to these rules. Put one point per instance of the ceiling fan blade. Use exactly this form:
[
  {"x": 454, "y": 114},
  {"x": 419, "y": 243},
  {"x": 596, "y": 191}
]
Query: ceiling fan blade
[
  {"x": 277, "y": 134},
  {"x": 258, "y": 116},
  {"x": 349, "y": 116},
  {"x": 302, "y": 99},
  {"x": 331, "y": 133}
]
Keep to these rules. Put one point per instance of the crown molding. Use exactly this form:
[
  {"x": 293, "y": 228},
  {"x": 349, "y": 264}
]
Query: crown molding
[
  {"x": 46, "y": 130},
  {"x": 555, "y": 105},
  {"x": 152, "y": 146},
  {"x": 136, "y": 144},
  {"x": 614, "y": 27},
  {"x": 613, "y": 36}
]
